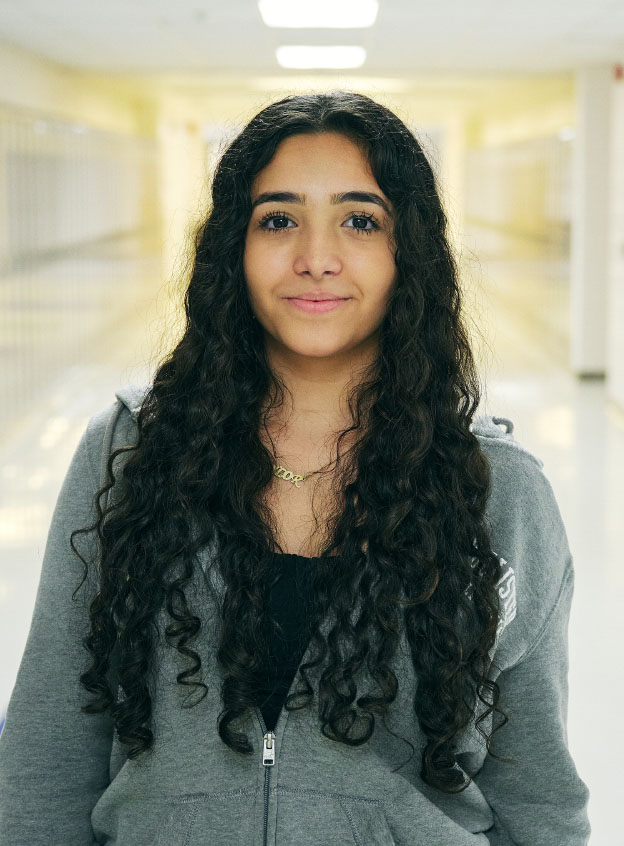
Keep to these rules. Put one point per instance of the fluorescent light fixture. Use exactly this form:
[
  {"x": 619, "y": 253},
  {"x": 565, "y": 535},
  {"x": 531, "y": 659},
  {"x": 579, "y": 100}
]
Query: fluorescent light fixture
[
  {"x": 318, "y": 14},
  {"x": 320, "y": 57}
]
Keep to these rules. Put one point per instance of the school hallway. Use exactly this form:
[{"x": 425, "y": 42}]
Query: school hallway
[{"x": 112, "y": 120}]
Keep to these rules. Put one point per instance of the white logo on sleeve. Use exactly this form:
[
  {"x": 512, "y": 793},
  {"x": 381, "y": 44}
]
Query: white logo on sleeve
[
  {"x": 506, "y": 587},
  {"x": 507, "y": 594}
]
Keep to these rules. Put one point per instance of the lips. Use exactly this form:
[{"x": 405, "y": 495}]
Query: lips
[
  {"x": 317, "y": 296},
  {"x": 317, "y": 306}
]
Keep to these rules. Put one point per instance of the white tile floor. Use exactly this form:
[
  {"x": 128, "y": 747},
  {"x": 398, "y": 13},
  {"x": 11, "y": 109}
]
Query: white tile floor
[{"x": 566, "y": 422}]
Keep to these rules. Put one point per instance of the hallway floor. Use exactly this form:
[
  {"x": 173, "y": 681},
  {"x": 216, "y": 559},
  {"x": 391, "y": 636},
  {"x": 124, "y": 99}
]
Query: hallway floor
[{"x": 567, "y": 422}]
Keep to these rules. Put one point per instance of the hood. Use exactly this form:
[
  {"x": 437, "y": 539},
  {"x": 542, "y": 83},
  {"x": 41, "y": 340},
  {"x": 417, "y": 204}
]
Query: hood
[{"x": 132, "y": 397}]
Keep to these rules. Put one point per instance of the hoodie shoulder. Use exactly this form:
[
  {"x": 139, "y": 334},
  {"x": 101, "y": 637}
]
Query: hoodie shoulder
[
  {"x": 132, "y": 397},
  {"x": 113, "y": 426},
  {"x": 490, "y": 434}
]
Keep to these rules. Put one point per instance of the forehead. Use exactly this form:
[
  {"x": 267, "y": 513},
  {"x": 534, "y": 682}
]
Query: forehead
[{"x": 320, "y": 159}]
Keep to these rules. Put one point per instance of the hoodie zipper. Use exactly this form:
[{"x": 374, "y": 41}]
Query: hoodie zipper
[{"x": 268, "y": 760}]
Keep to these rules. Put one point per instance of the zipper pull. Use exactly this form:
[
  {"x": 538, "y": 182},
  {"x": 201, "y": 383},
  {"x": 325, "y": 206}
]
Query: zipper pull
[{"x": 268, "y": 754}]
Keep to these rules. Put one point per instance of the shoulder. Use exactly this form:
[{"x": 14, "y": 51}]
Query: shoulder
[
  {"x": 517, "y": 473},
  {"x": 114, "y": 425},
  {"x": 519, "y": 481},
  {"x": 132, "y": 396},
  {"x": 527, "y": 533},
  {"x": 495, "y": 434},
  {"x": 124, "y": 408}
]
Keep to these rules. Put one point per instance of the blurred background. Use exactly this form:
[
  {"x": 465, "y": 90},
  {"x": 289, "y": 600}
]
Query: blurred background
[{"x": 111, "y": 119}]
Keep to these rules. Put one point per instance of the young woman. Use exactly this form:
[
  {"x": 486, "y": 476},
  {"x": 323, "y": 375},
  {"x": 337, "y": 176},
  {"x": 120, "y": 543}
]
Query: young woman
[{"x": 315, "y": 586}]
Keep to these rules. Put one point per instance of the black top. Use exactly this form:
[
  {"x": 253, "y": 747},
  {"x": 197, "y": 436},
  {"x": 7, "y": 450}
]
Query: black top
[{"x": 287, "y": 603}]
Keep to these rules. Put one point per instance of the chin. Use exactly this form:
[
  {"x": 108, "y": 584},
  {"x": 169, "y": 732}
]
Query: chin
[{"x": 312, "y": 350}]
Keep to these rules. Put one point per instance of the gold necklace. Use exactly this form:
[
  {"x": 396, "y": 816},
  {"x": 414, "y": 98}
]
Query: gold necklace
[{"x": 288, "y": 475}]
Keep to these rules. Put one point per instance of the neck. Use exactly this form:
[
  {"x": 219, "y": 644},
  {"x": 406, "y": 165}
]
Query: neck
[{"x": 317, "y": 391}]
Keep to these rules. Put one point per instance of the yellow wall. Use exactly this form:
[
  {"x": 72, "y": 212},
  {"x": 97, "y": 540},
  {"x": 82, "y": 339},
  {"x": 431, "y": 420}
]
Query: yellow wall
[
  {"x": 524, "y": 110},
  {"x": 116, "y": 104}
]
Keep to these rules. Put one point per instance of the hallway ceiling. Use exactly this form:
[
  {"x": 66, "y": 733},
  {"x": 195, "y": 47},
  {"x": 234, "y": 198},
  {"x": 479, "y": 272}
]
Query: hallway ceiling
[{"x": 154, "y": 36}]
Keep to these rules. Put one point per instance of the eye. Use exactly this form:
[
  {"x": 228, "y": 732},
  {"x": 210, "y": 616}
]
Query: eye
[
  {"x": 363, "y": 221},
  {"x": 277, "y": 216},
  {"x": 277, "y": 221}
]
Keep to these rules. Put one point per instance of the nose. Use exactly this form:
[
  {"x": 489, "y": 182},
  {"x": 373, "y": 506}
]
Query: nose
[{"x": 317, "y": 253}]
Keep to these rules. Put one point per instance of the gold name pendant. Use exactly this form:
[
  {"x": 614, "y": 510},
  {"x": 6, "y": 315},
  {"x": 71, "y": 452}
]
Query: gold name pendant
[{"x": 287, "y": 475}]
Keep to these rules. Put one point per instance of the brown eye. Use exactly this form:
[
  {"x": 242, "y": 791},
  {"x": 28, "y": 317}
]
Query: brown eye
[
  {"x": 363, "y": 221},
  {"x": 279, "y": 219}
]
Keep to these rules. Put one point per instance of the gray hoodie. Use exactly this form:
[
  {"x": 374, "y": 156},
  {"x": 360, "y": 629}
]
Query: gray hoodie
[{"x": 65, "y": 778}]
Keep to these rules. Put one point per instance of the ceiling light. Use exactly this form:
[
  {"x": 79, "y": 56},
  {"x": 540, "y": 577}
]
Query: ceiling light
[
  {"x": 322, "y": 14},
  {"x": 320, "y": 57}
]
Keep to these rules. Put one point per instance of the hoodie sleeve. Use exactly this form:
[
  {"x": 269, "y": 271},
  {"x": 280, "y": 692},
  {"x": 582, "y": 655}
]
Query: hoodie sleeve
[
  {"x": 54, "y": 759},
  {"x": 539, "y": 798}
]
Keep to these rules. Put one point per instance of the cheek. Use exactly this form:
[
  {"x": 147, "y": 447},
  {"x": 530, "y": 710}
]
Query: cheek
[
  {"x": 379, "y": 301},
  {"x": 379, "y": 271},
  {"x": 381, "y": 279},
  {"x": 260, "y": 264}
]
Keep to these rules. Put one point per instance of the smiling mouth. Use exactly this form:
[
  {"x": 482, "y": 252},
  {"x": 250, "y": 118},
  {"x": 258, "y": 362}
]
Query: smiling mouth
[
  {"x": 317, "y": 296},
  {"x": 316, "y": 306}
]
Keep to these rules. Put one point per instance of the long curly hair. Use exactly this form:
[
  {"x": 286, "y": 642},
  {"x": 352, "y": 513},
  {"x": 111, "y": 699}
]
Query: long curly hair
[{"x": 408, "y": 520}]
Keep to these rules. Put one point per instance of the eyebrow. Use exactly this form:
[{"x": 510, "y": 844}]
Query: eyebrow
[{"x": 345, "y": 197}]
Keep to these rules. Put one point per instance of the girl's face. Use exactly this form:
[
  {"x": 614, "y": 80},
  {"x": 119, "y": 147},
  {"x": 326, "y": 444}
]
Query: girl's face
[{"x": 320, "y": 227}]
